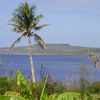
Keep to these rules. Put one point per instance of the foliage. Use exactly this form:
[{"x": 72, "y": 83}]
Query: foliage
[
  {"x": 53, "y": 96},
  {"x": 13, "y": 85},
  {"x": 4, "y": 85},
  {"x": 55, "y": 87},
  {"x": 85, "y": 90},
  {"x": 42, "y": 93},
  {"x": 96, "y": 97},
  {"x": 11, "y": 98},
  {"x": 85, "y": 86},
  {"x": 52, "y": 86},
  {"x": 63, "y": 96},
  {"x": 24, "y": 86},
  {"x": 68, "y": 96},
  {"x": 26, "y": 90},
  {"x": 36, "y": 89},
  {"x": 93, "y": 57},
  {"x": 27, "y": 93},
  {"x": 96, "y": 87},
  {"x": 9, "y": 93},
  {"x": 24, "y": 21}
]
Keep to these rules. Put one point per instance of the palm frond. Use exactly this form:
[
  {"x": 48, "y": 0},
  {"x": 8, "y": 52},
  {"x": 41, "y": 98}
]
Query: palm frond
[
  {"x": 18, "y": 40},
  {"x": 41, "y": 26},
  {"x": 24, "y": 19},
  {"x": 32, "y": 24},
  {"x": 40, "y": 41},
  {"x": 19, "y": 21},
  {"x": 26, "y": 9},
  {"x": 24, "y": 15},
  {"x": 38, "y": 17},
  {"x": 17, "y": 28}
]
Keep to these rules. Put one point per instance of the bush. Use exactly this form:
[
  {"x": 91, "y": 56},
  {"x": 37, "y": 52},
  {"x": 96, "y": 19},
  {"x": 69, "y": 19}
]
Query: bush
[
  {"x": 13, "y": 86},
  {"x": 4, "y": 85},
  {"x": 55, "y": 87},
  {"x": 52, "y": 87},
  {"x": 96, "y": 87},
  {"x": 37, "y": 89},
  {"x": 8, "y": 85}
]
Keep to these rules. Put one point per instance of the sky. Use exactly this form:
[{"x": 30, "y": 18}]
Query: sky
[{"x": 74, "y": 22}]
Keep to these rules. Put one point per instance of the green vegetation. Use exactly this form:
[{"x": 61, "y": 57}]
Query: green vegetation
[
  {"x": 11, "y": 98},
  {"x": 4, "y": 85},
  {"x": 39, "y": 91},
  {"x": 96, "y": 87},
  {"x": 25, "y": 21}
]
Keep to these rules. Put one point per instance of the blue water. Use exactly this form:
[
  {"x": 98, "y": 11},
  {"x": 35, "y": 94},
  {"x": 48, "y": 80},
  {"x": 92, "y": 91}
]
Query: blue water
[{"x": 60, "y": 67}]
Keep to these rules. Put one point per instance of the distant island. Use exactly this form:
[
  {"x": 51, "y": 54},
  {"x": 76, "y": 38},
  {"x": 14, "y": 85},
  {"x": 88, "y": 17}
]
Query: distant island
[{"x": 56, "y": 49}]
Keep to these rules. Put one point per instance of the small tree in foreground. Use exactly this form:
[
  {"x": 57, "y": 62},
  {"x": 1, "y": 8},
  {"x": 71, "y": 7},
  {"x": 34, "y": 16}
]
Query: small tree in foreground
[{"x": 25, "y": 21}]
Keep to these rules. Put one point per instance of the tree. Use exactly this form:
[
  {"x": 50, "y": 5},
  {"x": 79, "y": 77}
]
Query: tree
[{"x": 25, "y": 21}]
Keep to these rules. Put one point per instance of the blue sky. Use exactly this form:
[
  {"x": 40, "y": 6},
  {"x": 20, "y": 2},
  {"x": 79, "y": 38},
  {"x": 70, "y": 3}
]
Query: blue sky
[{"x": 76, "y": 22}]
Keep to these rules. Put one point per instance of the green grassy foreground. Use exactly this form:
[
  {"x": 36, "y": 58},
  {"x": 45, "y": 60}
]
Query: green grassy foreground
[
  {"x": 65, "y": 96},
  {"x": 21, "y": 89}
]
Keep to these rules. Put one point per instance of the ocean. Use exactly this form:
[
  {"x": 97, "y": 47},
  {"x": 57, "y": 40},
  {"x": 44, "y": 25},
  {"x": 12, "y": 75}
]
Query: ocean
[{"x": 59, "y": 67}]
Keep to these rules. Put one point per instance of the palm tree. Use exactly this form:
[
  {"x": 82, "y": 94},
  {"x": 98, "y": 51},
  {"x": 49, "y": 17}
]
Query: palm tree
[{"x": 25, "y": 21}]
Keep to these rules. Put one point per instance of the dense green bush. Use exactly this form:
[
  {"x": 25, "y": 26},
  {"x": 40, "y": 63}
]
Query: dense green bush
[
  {"x": 85, "y": 84},
  {"x": 44, "y": 90},
  {"x": 7, "y": 84},
  {"x": 85, "y": 89},
  {"x": 4, "y": 85},
  {"x": 13, "y": 86},
  {"x": 96, "y": 87},
  {"x": 55, "y": 87},
  {"x": 37, "y": 89}
]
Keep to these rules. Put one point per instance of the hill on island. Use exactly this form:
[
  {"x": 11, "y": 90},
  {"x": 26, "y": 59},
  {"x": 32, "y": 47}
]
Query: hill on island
[{"x": 65, "y": 49}]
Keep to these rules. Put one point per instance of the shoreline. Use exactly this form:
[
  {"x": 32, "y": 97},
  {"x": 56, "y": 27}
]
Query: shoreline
[{"x": 43, "y": 54}]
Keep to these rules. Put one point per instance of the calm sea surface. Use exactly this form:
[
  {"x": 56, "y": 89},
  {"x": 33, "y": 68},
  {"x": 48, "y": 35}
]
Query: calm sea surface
[{"x": 60, "y": 67}]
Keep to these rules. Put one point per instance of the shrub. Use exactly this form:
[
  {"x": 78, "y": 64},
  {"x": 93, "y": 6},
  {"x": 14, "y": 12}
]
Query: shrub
[
  {"x": 85, "y": 89},
  {"x": 96, "y": 87},
  {"x": 4, "y": 85},
  {"x": 55, "y": 87},
  {"x": 85, "y": 85},
  {"x": 37, "y": 89}
]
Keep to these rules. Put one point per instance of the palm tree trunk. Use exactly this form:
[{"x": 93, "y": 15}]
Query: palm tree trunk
[{"x": 31, "y": 61}]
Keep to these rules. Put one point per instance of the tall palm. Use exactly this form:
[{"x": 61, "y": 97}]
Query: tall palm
[{"x": 25, "y": 21}]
